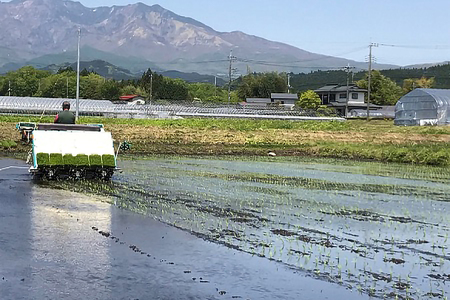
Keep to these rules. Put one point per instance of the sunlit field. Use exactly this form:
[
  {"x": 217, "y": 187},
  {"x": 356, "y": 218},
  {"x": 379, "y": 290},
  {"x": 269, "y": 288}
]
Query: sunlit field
[
  {"x": 380, "y": 229},
  {"x": 377, "y": 140}
]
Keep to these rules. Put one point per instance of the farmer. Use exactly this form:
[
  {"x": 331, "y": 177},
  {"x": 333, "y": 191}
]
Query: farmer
[{"x": 65, "y": 117}]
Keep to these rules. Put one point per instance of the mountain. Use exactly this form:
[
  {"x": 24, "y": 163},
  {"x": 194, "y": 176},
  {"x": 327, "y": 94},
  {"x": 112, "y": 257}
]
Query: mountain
[
  {"x": 194, "y": 77},
  {"x": 100, "y": 67},
  {"x": 157, "y": 37},
  {"x": 134, "y": 64},
  {"x": 428, "y": 65},
  {"x": 108, "y": 70}
]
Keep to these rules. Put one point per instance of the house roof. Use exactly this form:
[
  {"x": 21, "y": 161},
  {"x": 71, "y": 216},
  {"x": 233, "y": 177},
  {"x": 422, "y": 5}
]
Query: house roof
[
  {"x": 336, "y": 88},
  {"x": 258, "y": 100},
  {"x": 129, "y": 97},
  {"x": 284, "y": 96}
]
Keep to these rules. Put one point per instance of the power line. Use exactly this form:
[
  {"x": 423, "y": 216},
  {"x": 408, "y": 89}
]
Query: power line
[
  {"x": 435, "y": 47},
  {"x": 194, "y": 62},
  {"x": 270, "y": 63}
]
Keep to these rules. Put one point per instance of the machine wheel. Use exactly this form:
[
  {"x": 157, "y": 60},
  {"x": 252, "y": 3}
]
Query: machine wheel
[
  {"x": 106, "y": 174},
  {"x": 51, "y": 175}
]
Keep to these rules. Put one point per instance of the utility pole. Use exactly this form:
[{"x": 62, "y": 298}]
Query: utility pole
[
  {"x": 67, "y": 87},
  {"x": 347, "y": 69},
  {"x": 370, "y": 78},
  {"x": 78, "y": 77},
  {"x": 9, "y": 88},
  {"x": 151, "y": 88},
  {"x": 215, "y": 85},
  {"x": 230, "y": 70},
  {"x": 289, "y": 83}
]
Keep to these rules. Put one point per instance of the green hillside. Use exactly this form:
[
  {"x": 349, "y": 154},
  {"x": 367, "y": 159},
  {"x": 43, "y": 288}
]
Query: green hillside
[
  {"x": 317, "y": 79},
  {"x": 100, "y": 67}
]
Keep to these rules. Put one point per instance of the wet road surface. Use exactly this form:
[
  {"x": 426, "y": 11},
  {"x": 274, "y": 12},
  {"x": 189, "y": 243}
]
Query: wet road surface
[{"x": 56, "y": 244}]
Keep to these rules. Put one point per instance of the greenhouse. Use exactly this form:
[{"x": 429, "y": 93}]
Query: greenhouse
[
  {"x": 423, "y": 107},
  {"x": 34, "y": 105}
]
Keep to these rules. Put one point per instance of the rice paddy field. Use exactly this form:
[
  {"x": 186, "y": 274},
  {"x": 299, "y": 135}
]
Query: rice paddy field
[
  {"x": 379, "y": 229},
  {"x": 377, "y": 140}
]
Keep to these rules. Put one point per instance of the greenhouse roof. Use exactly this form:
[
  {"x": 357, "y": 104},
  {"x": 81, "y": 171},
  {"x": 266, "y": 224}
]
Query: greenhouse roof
[
  {"x": 441, "y": 96},
  {"x": 52, "y": 104},
  {"x": 423, "y": 107}
]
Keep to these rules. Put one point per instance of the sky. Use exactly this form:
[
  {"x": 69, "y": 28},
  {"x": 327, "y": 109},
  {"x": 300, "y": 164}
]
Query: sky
[{"x": 407, "y": 31}]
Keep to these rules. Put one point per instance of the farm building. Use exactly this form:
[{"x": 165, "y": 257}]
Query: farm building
[
  {"x": 423, "y": 107},
  {"x": 131, "y": 99},
  {"x": 282, "y": 99}
]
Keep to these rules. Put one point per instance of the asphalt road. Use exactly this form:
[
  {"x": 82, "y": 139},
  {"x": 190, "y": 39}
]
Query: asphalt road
[{"x": 56, "y": 244}]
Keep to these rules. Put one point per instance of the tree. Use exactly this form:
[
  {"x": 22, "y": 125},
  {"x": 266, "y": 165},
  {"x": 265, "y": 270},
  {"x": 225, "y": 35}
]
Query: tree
[
  {"x": 58, "y": 86},
  {"x": 410, "y": 84},
  {"x": 23, "y": 82},
  {"x": 207, "y": 92},
  {"x": 65, "y": 70},
  {"x": 172, "y": 89},
  {"x": 384, "y": 91},
  {"x": 109, "y": 90},
  {"x": 133, "y": 90},
  {"x": 309, "y": 100},
  {"x": 261, "y": 85},
  {"x": 90, "y": 86}
]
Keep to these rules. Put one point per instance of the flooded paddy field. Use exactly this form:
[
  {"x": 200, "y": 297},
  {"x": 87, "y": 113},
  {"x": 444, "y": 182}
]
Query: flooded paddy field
[
  {"x": 380, "y": 230},
  {"x": 59, "y": 244},
  {"x": 266, "y": 228}
]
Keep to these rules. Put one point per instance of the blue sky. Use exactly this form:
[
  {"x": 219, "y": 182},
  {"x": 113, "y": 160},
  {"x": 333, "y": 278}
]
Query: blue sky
[{"x": 419, "y": 30}]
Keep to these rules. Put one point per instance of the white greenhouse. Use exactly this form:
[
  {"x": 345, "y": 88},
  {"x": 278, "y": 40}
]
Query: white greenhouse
[{"x": 423, "y": 107}]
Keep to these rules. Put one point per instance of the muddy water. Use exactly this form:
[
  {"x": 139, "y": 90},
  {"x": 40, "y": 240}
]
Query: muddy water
[
  {"x": 379, "y": 230},
  {"x": 56, "y": 243}
]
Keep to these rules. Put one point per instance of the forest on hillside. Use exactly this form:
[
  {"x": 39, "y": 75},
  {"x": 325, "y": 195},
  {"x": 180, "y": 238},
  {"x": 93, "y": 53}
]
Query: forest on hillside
[{"x": 316, "y": 79}]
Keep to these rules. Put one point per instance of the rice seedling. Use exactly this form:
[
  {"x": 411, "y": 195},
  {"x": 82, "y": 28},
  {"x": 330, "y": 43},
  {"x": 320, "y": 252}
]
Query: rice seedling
[{"x": 321, "y": 218}]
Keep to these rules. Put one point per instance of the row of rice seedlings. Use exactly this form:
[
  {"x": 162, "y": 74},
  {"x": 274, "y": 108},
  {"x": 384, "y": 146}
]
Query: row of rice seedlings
[
  {"x": 58, "y": 159},
  {"x": 277, "y": 213}
]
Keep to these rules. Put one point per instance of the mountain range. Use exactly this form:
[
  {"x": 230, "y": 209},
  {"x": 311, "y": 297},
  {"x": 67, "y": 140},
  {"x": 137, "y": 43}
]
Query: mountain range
[
  {"x": 111, "y": 71},
  {"x": 137, "y": 37}
]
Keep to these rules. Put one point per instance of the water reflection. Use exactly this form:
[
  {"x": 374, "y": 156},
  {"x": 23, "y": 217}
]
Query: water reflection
[
  {"x": 64, "y": 250},
  {"x": 381, "y": 229}
]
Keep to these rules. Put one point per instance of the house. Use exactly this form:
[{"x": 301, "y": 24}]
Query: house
[
  {"x": 132, "y": 99},
  {"x": 423, "y": 107},
  {"x": 285, "y": 99},
  {"x": 257, "y": 101},
  {"x": 282, "y": 99},
  {"x": 335, "y": 96}
]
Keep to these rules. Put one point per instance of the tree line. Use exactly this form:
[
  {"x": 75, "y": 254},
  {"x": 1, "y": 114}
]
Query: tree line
[
  {"x": 384, "y": 91},
  {"x": 31, "y": 82}
]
